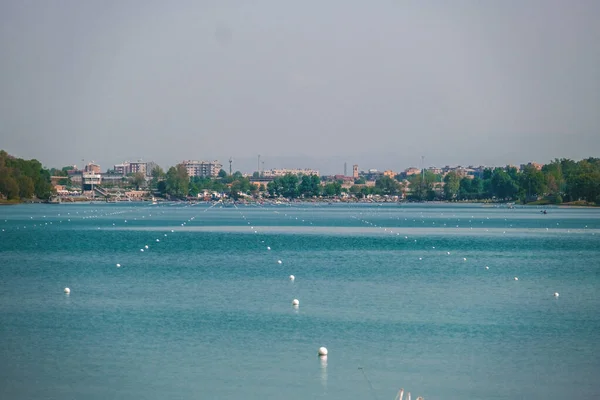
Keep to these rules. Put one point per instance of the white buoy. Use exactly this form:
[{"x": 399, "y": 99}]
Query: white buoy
[
  {"x": 141, "y": 249},
  {"x": 556, "y": 294},
  {"x": 146, "y": 246},
  {"x": 67, "y": 290},
  {"x": 292, "y": 278},
  {"x": 516, "y": 279},
  {"x": 486, "y": 267},
  {"x": 268, "y": 248},
  {"x": 448, "y": 252},
  {"x": 158, "y": 240},
  {"x": 118, "y": 265},
  {"x": 322, "y": 351},
  {"x": 464, "y": 259},
  {"x": 295, "y": 302},
  {"x": 278, "y": 261},
  {"x": 420, "y": 258}
]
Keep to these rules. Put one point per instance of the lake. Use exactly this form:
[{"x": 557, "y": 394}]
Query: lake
[{"x": 398, "y": 293}]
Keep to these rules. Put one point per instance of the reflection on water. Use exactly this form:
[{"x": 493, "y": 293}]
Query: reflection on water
[{"x": 323, "y": 360}]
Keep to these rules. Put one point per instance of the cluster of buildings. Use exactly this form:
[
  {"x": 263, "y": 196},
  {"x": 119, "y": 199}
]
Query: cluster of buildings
[
  {"x": 91, "y": 176},
  {"x": 273, "y": 173}
]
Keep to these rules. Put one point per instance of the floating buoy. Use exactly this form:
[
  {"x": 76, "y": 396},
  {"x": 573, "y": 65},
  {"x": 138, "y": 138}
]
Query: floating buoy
[
  {"x": 172, "y": 231},
  {"x": 516, "y": 279},
  {"x": 278, "y": 261},
  {"x": 158, "y": 240},
  {"x": 448, "y": 253},
  {"x": 486, "y": 267},
  {"x": 268, "y": 248},
  {"x": 67, "y": 290},
  {"x": 295, "y": 302},
  {"x": 556, "y": 294},
  {"x": 322, "y": 351},
  {"x": 141, "y": 249},
  {"x": 464, "y": 259},
  {"x": 146, "y": 246},
  {"x": 118, "y": 265},
  {"x": 420, "y": 258},
  {"x": 292, "y": 278}
]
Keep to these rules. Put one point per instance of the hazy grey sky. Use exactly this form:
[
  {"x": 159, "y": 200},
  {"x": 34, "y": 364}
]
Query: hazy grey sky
[{"x": 304, "y": 83}]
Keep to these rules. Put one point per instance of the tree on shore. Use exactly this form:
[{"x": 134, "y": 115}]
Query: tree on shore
[
  {"x": 177, "y": 182},
  {"x": 451, "y": 185},
  {"x": 23, "y": 178}
]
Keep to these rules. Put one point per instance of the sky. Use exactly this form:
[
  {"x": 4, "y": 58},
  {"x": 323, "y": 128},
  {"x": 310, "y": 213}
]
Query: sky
[{"x": 309, "y": 84}]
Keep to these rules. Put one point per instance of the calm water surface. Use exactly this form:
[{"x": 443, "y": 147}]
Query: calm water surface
[{"x": 205, "y": 312}]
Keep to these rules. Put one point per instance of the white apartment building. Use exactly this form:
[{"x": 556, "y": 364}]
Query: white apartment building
[
  {"x": 128, "y": 167},
  {"x": 202, "y": 168}
]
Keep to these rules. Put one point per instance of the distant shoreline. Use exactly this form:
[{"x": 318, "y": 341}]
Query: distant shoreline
[{"x": 329, "y": 201}]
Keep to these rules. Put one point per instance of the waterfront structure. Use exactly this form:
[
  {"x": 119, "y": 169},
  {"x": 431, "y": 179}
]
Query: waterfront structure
[
  {"x": 284, "y": 171},
  {"x": 202, "y": 168},
  {"x": 90, "y": 179}
]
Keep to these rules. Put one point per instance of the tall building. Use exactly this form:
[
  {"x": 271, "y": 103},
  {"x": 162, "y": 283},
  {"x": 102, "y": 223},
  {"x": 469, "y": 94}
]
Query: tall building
[
  {"x": 202, "y": 168},
  {"x": 121, "y": 168},
  {"x": 150, "y": 165},
  {"x": 92, "y": 167},
  {"x": 134, "y": 167},
  {"x": 355, "y": 171},
  {"x": 138, "y": 166}
]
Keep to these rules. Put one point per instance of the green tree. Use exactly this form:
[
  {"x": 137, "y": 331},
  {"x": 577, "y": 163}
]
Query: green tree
[
  {"x": 451, "y": 185},
  {"x": 532, "y": 183},
  {"x": 502, "y": 185},
  {"x": 422, "y": 186},
  {"x": 177, "y": 181},
  {"x": 387, "y": 186},
  {"x": 138, "y": 179},
  {"x": 332, "y": 189},
  {"x": 289, "y": 183},
  {"x": 158, "y": 175},
  {"x": 26, "y": 187}
]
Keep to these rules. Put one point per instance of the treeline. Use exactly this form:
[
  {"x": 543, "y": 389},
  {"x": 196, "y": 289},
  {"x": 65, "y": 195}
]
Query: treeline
[
  {"x": 176, "y": 183},
  {"x": 562, "y": 180},
  {"x": 557, "y": 182},
  {"x": 23, "y": 179}
]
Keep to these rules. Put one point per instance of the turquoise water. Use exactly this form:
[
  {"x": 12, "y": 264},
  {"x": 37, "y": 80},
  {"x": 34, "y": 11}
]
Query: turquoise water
[{"x": 205, "y": 313}]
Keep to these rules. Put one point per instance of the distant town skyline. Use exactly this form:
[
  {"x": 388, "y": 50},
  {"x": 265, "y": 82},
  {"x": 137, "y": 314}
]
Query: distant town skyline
[
  {"x": 295, "y": 163},
  {"x": 306, "y": 85}
]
